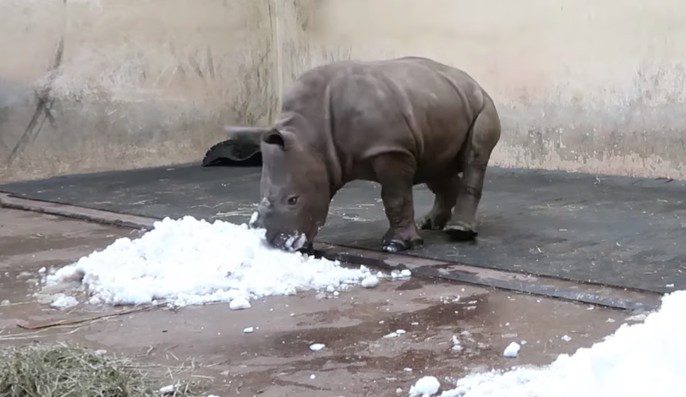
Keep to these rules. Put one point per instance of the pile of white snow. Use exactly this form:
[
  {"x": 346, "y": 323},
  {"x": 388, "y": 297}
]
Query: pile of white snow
[
  {"x": 645, "y": 359},
  {"x": 191, "y": 261}
]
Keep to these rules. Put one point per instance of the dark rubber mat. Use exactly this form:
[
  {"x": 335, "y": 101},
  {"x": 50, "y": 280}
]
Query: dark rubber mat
[{"x": 612, "y": 230}]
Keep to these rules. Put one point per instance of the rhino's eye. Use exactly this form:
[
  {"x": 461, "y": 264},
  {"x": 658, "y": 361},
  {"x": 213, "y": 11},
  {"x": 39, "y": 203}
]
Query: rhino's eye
[{"x": 293, "y": 200}]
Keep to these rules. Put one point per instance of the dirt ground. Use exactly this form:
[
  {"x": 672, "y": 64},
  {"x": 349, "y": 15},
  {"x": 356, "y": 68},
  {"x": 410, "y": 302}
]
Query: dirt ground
[{"x": 275, "y": 360}]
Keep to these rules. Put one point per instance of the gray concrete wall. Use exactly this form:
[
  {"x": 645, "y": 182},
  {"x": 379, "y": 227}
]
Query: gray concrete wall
[
  {"x": 581, "y": 85},
  {"x": 90, "y": 85}
]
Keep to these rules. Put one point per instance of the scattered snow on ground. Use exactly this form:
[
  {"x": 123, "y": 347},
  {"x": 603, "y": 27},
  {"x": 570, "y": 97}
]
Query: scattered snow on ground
[
  {"x": 512, "y": 350},
  {"x": 239, "y": 302},
  {"x": 62, "y": 301},
  {"x": 425, "y": 387},
  {"x": 637, "y": 317},
  {"x": 395, "y": 333},
  {"x": 405, "y": 273},
  {"x": 315, "y": 347},
  {"x": 457, "y": 346},
  {"x": 645, "y": 359},
  {"x": 189, "y": 261},
  {"x": 169, "y": 389},
  {"x": 370, "y": 282},
  {"x": 566, "y": 338}
]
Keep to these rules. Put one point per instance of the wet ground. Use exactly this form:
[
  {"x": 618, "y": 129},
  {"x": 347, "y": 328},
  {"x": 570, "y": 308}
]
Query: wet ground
[
  {"x": 275, "y": 360},
  {"x": 621, "y": 231}
]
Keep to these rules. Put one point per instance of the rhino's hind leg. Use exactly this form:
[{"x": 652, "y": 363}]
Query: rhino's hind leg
[
  {"x": 395, "y": 174},
  {"x": 483, "y": 137},
  {"x": 446, "y": 194}
]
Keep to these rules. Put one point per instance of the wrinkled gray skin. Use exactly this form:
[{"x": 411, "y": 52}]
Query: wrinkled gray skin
[{"x": 399, "y": 123}]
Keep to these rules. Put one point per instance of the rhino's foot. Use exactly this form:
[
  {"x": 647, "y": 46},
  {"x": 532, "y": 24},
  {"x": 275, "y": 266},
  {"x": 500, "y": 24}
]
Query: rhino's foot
[
  {"x": 460, "y": 231},
  {"x": 399, "y": 245},
  {"x": 433, "y": 222},
  {"x": 308, "y": 249},
  {"x": 398, "y": 241}
]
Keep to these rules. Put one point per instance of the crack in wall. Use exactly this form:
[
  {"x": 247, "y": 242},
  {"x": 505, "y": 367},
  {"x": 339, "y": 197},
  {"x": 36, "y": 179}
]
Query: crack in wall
[{"x": 43, "y": 107}]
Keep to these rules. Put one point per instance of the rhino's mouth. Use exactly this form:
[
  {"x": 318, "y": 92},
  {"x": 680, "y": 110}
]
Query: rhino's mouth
[
  {"x": 295, "y": 241},
  {"x": 289, "y": 242}
]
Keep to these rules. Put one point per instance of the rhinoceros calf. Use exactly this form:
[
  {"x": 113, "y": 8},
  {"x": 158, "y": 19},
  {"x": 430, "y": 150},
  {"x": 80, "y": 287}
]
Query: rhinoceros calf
[{"x": 397, "y": 122}]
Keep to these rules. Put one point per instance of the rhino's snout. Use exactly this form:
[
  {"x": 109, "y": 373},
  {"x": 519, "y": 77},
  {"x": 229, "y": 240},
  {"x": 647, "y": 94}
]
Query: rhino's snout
[
  {"x": 294, "y": 241},
  {"x": 288, "y": 241}
]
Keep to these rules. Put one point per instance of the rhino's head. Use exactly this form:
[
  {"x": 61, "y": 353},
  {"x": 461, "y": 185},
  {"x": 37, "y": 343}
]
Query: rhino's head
[{"x": 294, "y": 189}]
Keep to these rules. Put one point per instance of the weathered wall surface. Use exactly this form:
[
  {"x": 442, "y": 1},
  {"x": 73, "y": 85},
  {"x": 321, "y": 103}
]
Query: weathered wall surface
[
  {"x": 90, "y": 85},
  {"x": 582, "y": 85}
]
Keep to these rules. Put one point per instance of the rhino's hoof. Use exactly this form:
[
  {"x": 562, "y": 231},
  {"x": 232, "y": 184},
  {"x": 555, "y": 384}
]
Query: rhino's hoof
[
  {"x": 460, "y": 232},
  {"x": 399, "y": 245},
  {"x": 430, "y": 223},
  {"x": 425, "y": 223}
]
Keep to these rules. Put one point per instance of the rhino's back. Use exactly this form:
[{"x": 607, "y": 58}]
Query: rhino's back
[{"x": 411, "y": 105}]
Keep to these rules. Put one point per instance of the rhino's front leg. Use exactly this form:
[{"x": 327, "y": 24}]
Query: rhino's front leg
[{"x": 395, "y": 174}]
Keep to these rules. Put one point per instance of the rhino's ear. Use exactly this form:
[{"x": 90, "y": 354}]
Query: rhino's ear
[
  {"x": 282, "y": 139},
  {"x": 245, "y": 134}
]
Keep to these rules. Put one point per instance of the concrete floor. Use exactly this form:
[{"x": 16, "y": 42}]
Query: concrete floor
[
  {"x": 611, "y": 230},
  {"x": 275, "y": 360}
]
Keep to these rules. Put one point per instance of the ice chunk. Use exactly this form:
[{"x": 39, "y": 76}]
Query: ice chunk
[
  {"x": 457, "y": 346},
  {"x": 395, "y": 333},
  {"x": 370, "y": 282},
  {"x": 62, "y": 301},
  {"x": 315, "y": 347},
  {"x": 239, "y": 303},
  {"x": 425, "y": 387},
  {"x": 169, "y": 389},
  {"x": 512, "y": 350}
]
